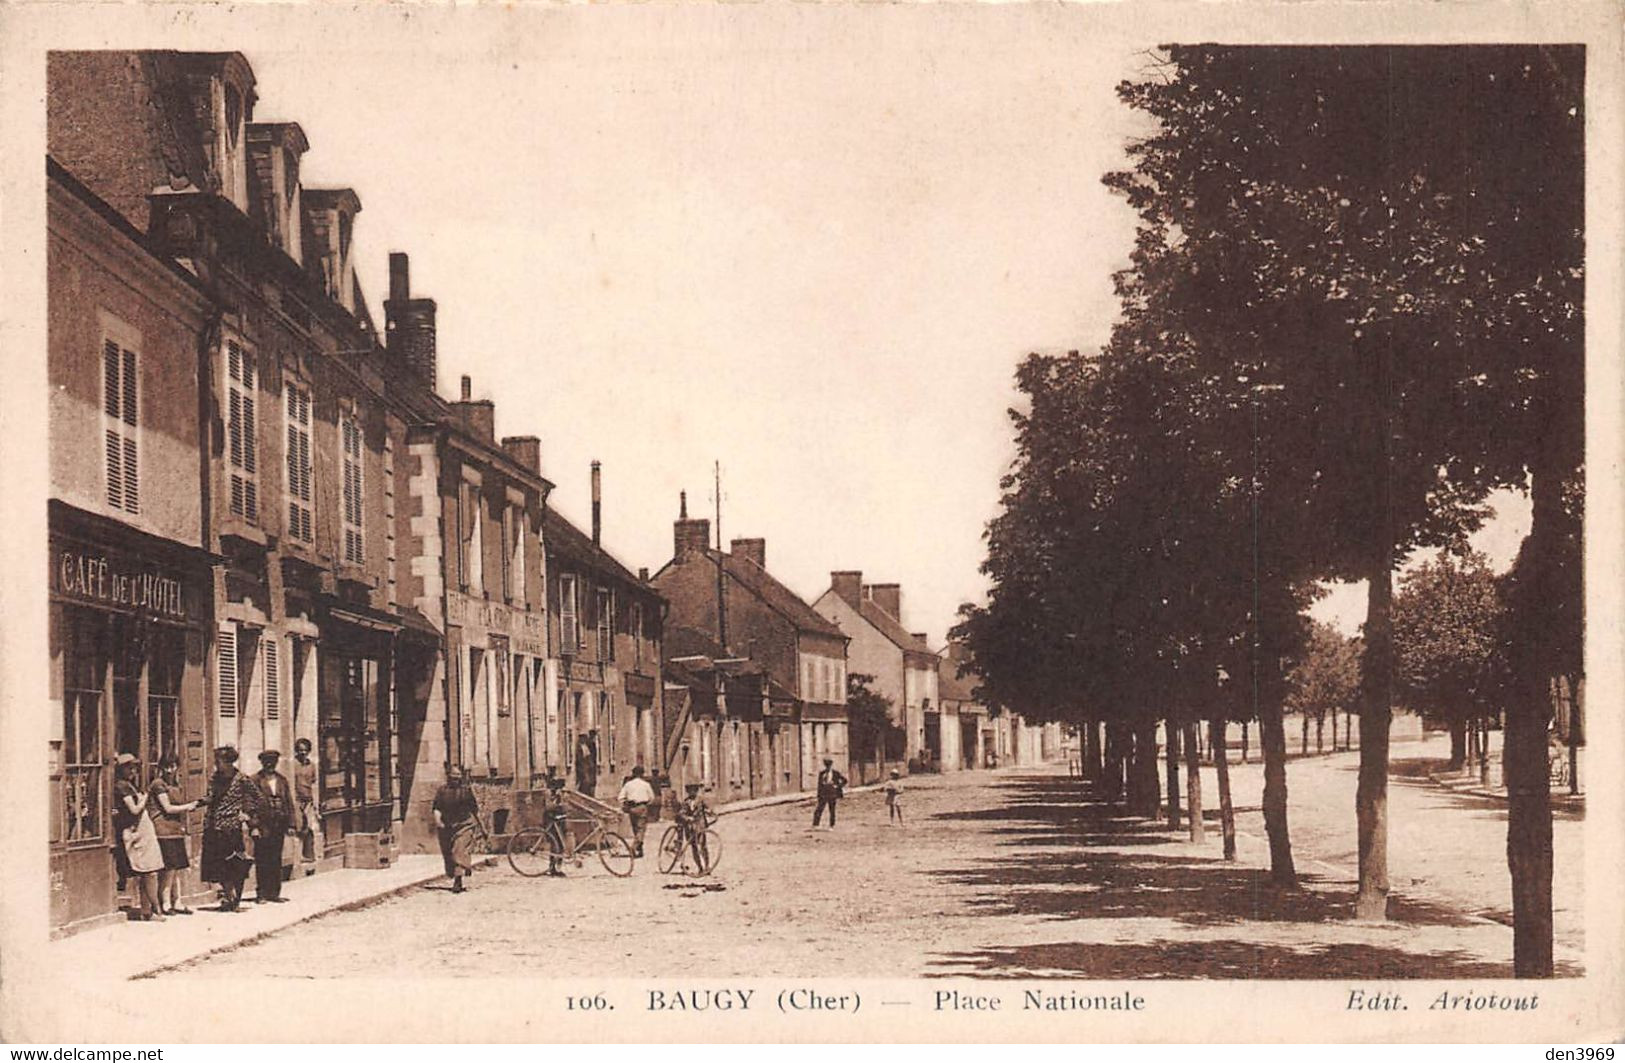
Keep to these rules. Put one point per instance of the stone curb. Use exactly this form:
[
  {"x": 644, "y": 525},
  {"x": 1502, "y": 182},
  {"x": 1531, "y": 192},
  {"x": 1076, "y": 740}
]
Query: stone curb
[{"x": 353, "y": 904}]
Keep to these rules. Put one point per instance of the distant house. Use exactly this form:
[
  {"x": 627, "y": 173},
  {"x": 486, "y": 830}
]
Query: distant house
[
  {"x": 734, "y": 601},
  {"x": 605, "y": 626},
  {"x": 903, "y": 666},
  {"x": 730, "y": 719},
  {"x": 975, "y": 738}
]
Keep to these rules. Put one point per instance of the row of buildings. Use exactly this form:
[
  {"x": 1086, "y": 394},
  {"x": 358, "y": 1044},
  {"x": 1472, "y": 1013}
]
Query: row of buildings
[{"x": 266, "y": 524}]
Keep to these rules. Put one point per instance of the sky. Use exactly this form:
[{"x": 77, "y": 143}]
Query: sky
[
  {"x": 814, "y": 255},
  {"x": 808, "y": 247}
]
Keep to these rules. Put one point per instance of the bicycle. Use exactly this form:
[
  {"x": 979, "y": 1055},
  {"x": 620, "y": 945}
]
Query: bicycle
[
  {"x": 678, "y": 845},
  {"x": 531, "y": 849}
]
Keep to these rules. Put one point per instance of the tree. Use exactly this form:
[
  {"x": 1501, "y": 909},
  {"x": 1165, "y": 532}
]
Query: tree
[
  {"x": 1325, "y": 678},
  {"x": 1447, "y": 621},
  {"x": 1353, "y": 231},
  {"x": 869, "y": 723}
]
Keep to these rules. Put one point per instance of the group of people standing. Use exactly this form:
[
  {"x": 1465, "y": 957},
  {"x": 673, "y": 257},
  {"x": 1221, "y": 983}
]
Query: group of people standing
[{"x": 245, "y": 821}]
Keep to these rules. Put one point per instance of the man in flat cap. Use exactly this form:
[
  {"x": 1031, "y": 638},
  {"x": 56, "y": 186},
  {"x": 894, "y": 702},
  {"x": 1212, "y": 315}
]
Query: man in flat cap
[{"x": 270, "y": 819}]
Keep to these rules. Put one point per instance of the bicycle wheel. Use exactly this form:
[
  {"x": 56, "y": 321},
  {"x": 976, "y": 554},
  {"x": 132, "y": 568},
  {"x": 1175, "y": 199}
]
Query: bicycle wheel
[
  {"x": 528, "y": 852},
  {"x": 671, "y": 850},
  {"x": 706, "y": 850},
  {"x": 615, "y": 853}
]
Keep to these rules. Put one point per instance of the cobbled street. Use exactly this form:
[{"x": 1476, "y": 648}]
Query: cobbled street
[{"x": 994, "y": 874}]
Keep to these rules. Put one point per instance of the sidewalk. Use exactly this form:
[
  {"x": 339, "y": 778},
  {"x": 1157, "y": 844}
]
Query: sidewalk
[
  {"x": 1469, "y": 781},
  {"x": 135, "y": 950}
]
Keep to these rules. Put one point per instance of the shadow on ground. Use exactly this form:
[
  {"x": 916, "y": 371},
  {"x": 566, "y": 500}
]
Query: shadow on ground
[{"x": 1097, "y": 864}]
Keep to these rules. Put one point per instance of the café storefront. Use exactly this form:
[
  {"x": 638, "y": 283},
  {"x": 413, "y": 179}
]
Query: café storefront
[{"x": 128, "y": 625}]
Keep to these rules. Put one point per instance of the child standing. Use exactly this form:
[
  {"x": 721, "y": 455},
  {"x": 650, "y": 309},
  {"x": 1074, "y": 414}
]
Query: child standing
[{"x": 894, "y": 798}]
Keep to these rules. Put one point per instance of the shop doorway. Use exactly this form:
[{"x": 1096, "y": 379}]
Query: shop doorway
[{"x": 356, "y": 771}]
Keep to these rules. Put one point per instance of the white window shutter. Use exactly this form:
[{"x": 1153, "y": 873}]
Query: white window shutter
[
  {"x": 226, "y": 684},
  {"x": 273, "y": 677}
]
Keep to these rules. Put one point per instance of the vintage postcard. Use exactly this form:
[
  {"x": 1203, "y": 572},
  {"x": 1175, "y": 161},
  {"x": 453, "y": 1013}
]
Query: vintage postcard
[{"x": 814, "y": 522}]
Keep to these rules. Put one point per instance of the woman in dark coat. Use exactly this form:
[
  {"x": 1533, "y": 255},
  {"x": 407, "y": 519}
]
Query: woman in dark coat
[
  {"x": 225, "y": 859},
  {"x": 457, "y": 821}
]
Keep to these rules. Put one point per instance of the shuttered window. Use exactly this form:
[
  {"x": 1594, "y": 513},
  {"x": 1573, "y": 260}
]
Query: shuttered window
[
  {"x": 242, "y": 434},
  {"x": 350, "y": 440},
  {"x": 606, "y": 626},
  {"x": 569, "y": 617},
  {"x": 273, "y": 677},
  {"x": 226, "y": 683},
  {"x": 300, "y": 522},
  {"x": 119, "y": 426},
  {"x": 508, "y": 525}
]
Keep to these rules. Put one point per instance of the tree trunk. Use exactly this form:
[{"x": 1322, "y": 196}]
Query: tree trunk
[
  {"x": 1221, "y": 767},
  {"x": 1334, "y": 728},
  {"x": 1458, "y": 743},
  {"x": 1144, "y": 771},
  {"x": 1348, "y": 731},
  {"x": 1272, "y": 735},
  {"x": 1172, "y": 749},
  {"x": 1244, "y": 726},
  {"x": 1303, "y": 748},
  {"x": 1376, "y": 713},
  {"x": 1524, "y": 754},
  {"x": 1193, "y": 781},
  {"x": 1112, "y": 788},
  {"x": 1320, "y": 733},
  {"x": 1092, "y": 761}
]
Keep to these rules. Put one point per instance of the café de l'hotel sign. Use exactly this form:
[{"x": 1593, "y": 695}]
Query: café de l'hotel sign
[{"x": 123, "y": 583}]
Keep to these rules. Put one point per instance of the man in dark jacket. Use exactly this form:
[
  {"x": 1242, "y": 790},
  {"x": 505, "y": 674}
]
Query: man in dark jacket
[
  {"x": 270, "y": 819},
  {"x": 831, "y": 787}
]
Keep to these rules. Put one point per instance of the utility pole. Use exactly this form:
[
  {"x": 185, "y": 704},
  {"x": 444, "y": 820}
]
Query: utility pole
[{"x": 722, "y": 600}]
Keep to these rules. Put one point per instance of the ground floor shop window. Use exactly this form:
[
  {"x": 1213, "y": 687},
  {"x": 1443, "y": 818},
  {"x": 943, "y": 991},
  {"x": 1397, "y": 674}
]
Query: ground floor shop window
[
  {"x": 84, "y": 653},
  {"x": 355, "y": 731}
]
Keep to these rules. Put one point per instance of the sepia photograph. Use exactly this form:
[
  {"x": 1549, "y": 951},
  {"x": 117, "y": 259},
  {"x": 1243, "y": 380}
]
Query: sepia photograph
[{"x": 409, "y": 398}]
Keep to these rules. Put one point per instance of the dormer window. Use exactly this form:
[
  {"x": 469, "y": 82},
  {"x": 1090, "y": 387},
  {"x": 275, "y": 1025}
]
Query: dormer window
[
  {"x": 290, "y": 178},
  {"x": 234, "y": 117}
]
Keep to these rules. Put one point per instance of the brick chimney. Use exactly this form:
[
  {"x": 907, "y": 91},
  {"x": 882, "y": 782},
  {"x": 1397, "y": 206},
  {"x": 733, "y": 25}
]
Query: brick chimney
[
  {"x": 689, "y": 536},
  {"x": 526, "y": 451},
  {"x": 274, "y": 197},
  {"x": 848, "y": 586},
  {"x": 478, "y": 416},
  {"x": 919, "y": 636},
  {"x": 409, "y": 323},
  {"x": 889, "y": 596},
  {"x": 753, "y": 550},
  {"x": 597, "y": 502}
]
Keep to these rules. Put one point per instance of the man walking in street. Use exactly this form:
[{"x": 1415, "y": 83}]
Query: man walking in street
[
  {"x": 587, "y": 764},
  {"x": 831, "y": 787},
  {"x": 270, "y": 820},
  {"x": 636, "y": 798}
]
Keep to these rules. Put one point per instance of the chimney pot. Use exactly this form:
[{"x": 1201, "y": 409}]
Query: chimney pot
[
  {"x": 597, "y": 503},
  {"x": 468, "y": 388},
  {"x": 400, "y": 286}
]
